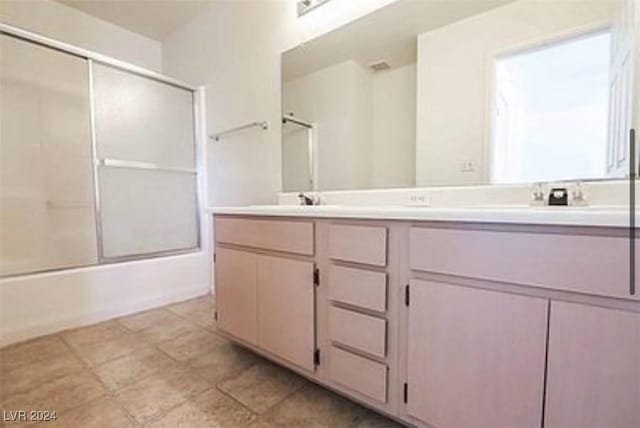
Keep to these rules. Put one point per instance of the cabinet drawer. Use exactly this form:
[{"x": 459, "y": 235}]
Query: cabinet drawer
[
  {"x": 582, "y": 263},
  {"x": 288, "y": 236},
  {"x": 358, "y": 287},
  {"x": 359, "y": 374},
  {"x": 362, "y": 332},
  {"x": 359, "y": 244}
]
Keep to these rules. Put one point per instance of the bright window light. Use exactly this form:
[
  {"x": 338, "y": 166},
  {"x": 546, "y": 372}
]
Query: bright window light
[{"x": 551, "y": 111}]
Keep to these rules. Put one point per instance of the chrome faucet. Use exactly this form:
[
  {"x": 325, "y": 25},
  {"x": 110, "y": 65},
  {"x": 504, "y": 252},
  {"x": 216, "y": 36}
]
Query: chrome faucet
[{"x": 308, "y": 200}]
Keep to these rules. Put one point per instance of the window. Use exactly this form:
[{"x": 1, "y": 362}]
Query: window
[{"x": 551, "y": 111}]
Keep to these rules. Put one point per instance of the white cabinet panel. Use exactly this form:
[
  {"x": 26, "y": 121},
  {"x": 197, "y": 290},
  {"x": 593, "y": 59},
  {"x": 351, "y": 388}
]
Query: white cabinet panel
[
  {"x": 593, "y": 375},
  {"x": 475, "y": 357},
  {"x": 236, "y": 294},
  {"x": 286, "y": 309}
]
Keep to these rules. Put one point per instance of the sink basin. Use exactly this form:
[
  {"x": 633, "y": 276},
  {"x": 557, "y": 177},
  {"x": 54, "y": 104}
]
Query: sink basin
[{"x": 293, "y": 207}]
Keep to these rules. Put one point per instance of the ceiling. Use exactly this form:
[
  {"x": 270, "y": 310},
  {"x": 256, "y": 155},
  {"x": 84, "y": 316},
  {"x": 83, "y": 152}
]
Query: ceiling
[
  {"x": 155, "y": 19},
  {"x": 389, "y": 33}
]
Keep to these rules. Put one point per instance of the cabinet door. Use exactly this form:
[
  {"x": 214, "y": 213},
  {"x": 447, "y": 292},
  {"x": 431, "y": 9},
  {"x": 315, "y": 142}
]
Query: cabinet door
[
  {"x": 286, "y": 302},
  {"x": 236, "y": 293},
  {"x": 475, "y": 357},
  {"x": 593, "y": 368}
]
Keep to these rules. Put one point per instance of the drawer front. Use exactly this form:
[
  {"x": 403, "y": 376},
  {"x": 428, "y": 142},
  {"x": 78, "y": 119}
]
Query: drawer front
[
  {"x": 588, "y": 264},
  {"x": 279, "y": 235},
  {"x": 362, "y": 332},
  {"x": 359, "y": 374},
  {"x": 359, "y": 244},
  {"x": 358, "y": 287}
]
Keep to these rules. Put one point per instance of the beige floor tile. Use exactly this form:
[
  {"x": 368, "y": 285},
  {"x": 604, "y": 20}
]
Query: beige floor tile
[
  {"x": 313, "y": 406},
  {"x": 262, "y": 386},
  {"x": 95, "y": 353},
  {"x": 156, "y": 394},
  {"x": 59, "y": 394},
  {"x": 27, "y": 377},
  {"x": 25, "y": 353},
  {"x": 101, "y": 413},
  {"x": 96, "y": 333},
  {"x": 146, "y": 319},
  {"x": 200, "y": 311},
  {"x": 191, "y": 344},
  {"x": 372, "y": 419},
  {"x": 126, "y": 370},
  {"x": 211, "y": 409},
  {"x": 225, "y": 361},
  {"x": 157, "y": 325},
  {"x": 171, "y": 384},
  {"x": 204, "y": 319},
  {"x": 193, "y": 305}
]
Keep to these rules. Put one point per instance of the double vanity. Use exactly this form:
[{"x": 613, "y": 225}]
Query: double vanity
[{"x": 479, "y": 317}]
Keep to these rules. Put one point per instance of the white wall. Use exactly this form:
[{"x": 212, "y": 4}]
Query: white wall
[
  {"x": 33, "y": 305},
  {"x": 66, "y": 24},
  {"x": 453, "y": 84},
  {"x": 234, "y": 49}
]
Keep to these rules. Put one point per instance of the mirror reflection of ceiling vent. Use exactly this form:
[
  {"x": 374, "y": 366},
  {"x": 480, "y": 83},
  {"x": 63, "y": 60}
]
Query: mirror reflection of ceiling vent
[{"x": 379, "y": 65}]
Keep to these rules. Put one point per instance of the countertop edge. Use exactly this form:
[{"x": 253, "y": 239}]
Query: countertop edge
[{"x": 533, "y": 216}]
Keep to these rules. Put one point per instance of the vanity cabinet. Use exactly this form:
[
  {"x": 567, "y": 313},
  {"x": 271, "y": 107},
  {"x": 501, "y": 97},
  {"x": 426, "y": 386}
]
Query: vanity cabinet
[
  {"x": 593, "y": 367},
  {"x": 441, "y": 324},
  {"x": 265, "y": 292},
  {"x": 475, "y": 358}
]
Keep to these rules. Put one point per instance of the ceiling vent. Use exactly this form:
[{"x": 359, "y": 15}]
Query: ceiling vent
[{"x": 379, "y": 65}]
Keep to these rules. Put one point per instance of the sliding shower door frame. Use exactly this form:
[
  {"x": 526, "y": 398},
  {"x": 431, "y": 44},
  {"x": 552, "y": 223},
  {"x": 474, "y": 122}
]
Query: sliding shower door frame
[{"x": 95, "y": 58}]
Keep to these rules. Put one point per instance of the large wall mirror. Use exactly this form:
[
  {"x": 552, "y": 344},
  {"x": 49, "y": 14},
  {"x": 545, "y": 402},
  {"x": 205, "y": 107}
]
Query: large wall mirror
[{"x": 465, "y": 92}]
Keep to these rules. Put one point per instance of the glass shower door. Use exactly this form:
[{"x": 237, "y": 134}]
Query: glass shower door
[
  {"x": 46, "y": 196},
  {"x": 146, "y": 169}
]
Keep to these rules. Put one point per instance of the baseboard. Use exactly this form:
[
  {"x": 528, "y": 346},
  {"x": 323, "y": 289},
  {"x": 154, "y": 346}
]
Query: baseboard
[{"x": 125, "y": 308}]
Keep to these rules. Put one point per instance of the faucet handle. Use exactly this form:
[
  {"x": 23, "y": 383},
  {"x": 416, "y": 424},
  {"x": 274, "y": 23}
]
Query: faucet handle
[
  {"x": 538, "y": 195},
  {"x": 578, "y": 197}
]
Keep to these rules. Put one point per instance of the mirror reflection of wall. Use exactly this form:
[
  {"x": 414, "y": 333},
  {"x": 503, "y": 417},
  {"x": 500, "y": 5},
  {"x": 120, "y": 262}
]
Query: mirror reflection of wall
[
  {"x": 365, "y": 118},
  {"x": 471, "y": 92},
  {"x": 462, "y": 67},
  {"x": 298, "y": 150}
]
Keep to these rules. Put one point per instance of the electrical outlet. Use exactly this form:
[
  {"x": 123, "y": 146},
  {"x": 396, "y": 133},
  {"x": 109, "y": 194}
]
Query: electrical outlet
[
  {"x": 467, "y": 166},
  {"x": 420, "y": 199}
]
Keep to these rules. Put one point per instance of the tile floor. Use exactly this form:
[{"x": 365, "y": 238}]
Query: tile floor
[{"x": 165, "y": 367}]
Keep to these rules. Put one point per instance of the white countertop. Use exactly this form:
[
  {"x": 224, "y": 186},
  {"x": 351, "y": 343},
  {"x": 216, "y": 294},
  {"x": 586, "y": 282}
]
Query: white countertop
[{"x": 602, "y": 216}]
